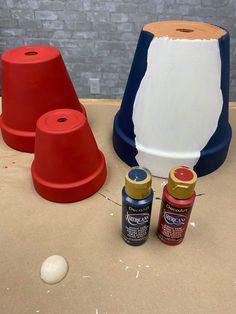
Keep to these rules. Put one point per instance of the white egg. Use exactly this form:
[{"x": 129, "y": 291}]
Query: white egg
[{"x": 54, "y": 269}]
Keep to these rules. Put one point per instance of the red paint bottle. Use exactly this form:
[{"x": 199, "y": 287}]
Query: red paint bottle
[{"x": 177, "y": 202}]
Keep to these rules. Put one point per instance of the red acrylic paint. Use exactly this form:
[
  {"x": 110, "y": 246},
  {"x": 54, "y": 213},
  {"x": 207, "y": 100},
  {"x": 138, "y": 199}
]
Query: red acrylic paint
[{"x": 177, "y": 201}]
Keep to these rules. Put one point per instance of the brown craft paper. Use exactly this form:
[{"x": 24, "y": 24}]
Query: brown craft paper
[{"x": 106, "y": 275}]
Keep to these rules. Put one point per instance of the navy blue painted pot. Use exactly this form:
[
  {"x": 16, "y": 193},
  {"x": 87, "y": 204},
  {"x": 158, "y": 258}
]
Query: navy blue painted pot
[{"x": 175, "y": 106}]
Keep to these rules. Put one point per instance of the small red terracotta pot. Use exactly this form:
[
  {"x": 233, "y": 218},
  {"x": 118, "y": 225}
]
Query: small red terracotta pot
[
  {"x": 34, "y": 81},
  {"x": 68, "y": 165}
]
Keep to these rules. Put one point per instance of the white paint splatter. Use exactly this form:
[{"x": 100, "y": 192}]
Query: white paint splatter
[
  {"x": 139, "y": 265},
  {"x": 96, "y": 311},
  {"x": 48, "y": 291},
  {"x": 8, "y": 289},
  {"x": 147, "y": 266},
  {"x": 37, "y": 311},
  {"x": 126, "y": 268},
  {"x": 137, "y": 274},
  {"x": 120, "y": 260},
  {"x": 163, "y": 183},
  {"x": 86, "y": 276},
  {"x": 111, "y": 214},
  {"x": 193, "y": 224}
]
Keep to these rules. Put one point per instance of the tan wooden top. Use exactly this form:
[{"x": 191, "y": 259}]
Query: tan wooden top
[
  {"x": 117, "y": 102},
  {"x": 102, "y": 101},
  {"x": 184, "y": 30}
]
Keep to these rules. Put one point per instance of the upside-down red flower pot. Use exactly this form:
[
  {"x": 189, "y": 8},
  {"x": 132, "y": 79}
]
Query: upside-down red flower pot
[
  {"x": 68, "y": 165},
  {"x": 34, "y": 81}
]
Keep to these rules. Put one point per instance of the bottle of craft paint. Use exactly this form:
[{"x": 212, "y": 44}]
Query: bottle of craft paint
[
  {"x": 177, "y": 201},
  {"x": 137, "y": 196}
]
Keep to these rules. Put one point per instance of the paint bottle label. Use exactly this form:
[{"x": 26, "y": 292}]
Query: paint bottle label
[
  {"x": 135, "y": 223},
  {"x": 173, "y": 222}
]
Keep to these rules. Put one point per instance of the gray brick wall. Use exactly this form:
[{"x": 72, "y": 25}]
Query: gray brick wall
[{"x": 97, "y": 38}]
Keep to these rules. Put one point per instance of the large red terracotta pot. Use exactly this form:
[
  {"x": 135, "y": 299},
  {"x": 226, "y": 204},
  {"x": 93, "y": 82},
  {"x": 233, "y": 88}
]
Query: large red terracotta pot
[{"x": 34, "y": 81}]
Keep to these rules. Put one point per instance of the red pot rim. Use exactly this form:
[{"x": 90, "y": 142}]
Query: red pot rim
[{"x": 70, "y": 192}]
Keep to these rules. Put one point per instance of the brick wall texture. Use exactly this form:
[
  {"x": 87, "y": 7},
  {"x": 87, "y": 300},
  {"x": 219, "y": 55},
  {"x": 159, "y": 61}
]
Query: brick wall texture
[{"x": 97, "y": 38}]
